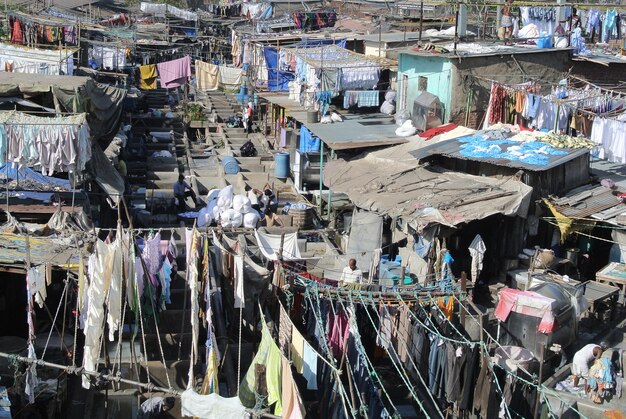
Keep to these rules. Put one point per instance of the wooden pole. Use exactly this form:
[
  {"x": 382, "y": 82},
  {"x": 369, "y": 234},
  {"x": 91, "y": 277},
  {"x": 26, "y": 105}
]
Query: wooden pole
[
  {"x": 540, "y": 380},
  {"x": 419, "y": 39}
]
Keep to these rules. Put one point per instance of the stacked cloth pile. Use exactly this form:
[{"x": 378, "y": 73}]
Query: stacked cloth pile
[{"x": 57, "y": 144}]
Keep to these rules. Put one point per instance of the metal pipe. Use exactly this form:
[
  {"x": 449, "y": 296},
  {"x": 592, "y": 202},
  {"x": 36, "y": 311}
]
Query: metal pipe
[{"x": 80, "y": 371}]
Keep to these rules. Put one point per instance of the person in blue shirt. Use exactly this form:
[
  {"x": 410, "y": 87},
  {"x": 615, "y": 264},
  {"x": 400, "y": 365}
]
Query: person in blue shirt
[{"x": 182, "y": 191}]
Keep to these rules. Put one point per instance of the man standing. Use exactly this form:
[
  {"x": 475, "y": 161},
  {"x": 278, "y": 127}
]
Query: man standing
[
  {"x": 247, "y": 118},
  {"x": 182, "y": 191},
  {"x": 506, "y": 23},
  {"x": 350, "y": 274}
]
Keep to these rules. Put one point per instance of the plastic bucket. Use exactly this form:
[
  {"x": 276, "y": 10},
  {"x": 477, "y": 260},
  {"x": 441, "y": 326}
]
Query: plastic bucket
[
  {"x": 312, "y": 117},
  {"x": 230, "y": 165},
  {"x": 281, "y": 165}
]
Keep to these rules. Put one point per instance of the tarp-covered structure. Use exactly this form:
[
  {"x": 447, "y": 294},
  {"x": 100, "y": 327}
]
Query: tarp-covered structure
[
  {"x": 391, "y": 182},
  {"x": 103, "y": 105}
]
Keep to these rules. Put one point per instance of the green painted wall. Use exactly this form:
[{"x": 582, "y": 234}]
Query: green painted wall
[{"x": 436, "y": 70}]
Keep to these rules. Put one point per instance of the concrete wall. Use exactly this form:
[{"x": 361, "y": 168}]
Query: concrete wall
[
  {"x": 475, "y": 73},
  {"x": 436, "y": 69}
]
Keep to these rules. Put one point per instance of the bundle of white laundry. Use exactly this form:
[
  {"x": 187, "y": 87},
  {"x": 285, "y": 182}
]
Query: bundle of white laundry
[{"x": 231, "y": 210}]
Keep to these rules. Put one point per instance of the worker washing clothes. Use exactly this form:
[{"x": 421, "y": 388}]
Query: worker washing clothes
[
  {"x": 350, "y": 274},
  {"x": 584, "y": 358},
  {"x": 182, "y": 191},
  {"x": 253, "y": 196}
]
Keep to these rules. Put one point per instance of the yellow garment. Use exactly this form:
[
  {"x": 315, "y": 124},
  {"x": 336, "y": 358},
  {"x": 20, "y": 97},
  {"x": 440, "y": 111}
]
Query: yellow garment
[
  {"x": 273, "y": 378},
  {"x": 148, "y": 77},
  {"x": 211, "y": 385},
  {"x": 297, "y": 350},
  {"x": 269, "y": 355},
  {"x": 567, "y": 225},
  {"x": 207, "y": 75}
]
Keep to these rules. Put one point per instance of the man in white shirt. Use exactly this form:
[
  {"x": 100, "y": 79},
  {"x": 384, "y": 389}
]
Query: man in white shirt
[
  {"x": 253, "y": 197},
  {"x": 350, "y": 274}
]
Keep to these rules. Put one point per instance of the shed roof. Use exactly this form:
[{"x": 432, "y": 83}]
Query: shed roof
[
  {"x": 474, "y": 49},
  {"x": 590, "y": 201},
  {"x": 390, "y": 183},
  {"x": 502, "y": 152},
  {"x": 358, "y": 131}
]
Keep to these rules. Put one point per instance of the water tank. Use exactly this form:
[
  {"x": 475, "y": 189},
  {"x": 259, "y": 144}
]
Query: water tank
[{"x": 281, "y": 165}]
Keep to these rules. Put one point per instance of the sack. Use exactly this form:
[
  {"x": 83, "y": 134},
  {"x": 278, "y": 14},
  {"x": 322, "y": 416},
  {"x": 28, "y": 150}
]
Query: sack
[
  {"x": 251, "y": 219},
  {"x": 248, "y": 149},
  {"x": 205, "y": 217},
  {"x": 225, "y": 197},
  {"x": 231, "y": 218}
]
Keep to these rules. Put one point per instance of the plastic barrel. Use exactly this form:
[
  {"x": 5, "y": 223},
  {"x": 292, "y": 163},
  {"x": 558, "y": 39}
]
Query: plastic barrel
[
  {"x": 281, "y": 165},
  {"x": 230, "y": 165}
]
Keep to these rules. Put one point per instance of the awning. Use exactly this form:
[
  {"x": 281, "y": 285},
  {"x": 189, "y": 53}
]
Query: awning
[{"x": 528, "y": 303}]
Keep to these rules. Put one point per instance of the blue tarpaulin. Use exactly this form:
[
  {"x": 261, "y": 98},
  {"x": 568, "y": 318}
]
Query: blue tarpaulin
[
  {"x": 277, "y": 80},
  {"x": 9, "y": 172},
  {"x": 308, "y": 142}
]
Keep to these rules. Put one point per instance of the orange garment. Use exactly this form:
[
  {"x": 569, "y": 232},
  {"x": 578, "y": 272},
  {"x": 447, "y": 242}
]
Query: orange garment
[
  {"x": 447, "y": 306},
  {"x": 520, "y": 99}
]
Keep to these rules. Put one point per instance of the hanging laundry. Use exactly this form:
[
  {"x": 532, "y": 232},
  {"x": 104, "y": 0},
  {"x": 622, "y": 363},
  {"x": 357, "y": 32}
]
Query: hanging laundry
[
  {"x": 99, "y": 268},
  {"x": 293, "y": 408},
  {"x": 240, "y": 299},
  {"x": 148, "y": 77},
  {"x": 31, "y": 140},
  {"x": 284, "y": 329},
  {"x": 268, "y": 354},
  {"x": 107, "y": 58},
  {"x": 368, "y": 98},
  {"x": 175, "y": 73},
  {"x": 230, "y": 77},
  {"x": 207, "y": 76},
  {"x": 269, "y": 244},
  {"x": 212, "y": 406},
  {"x": 297, "y": 350},
  {"x": 152, "y": 254},
  {"x": 477, "y": 251},
  {"x": 37, "y": 284},
  {"x": 114, "y": 313},
  {"x": 310, "y": 366}
]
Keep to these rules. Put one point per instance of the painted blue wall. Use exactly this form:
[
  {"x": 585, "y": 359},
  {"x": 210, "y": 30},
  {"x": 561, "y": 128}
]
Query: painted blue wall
[{"x": 437, "y": 70}]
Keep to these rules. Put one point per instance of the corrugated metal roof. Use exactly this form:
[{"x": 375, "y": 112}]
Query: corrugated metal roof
[
  {"x": 588, "y": 201},
  {"x": 451, "y": 148}
]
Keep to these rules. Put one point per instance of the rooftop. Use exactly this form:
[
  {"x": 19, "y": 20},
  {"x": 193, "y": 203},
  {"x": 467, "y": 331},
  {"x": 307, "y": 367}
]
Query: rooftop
[
  {"x": 519, "y": 151},
  {"x": 356, "y": 131},
  {"x": 482, "y": 49}
]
